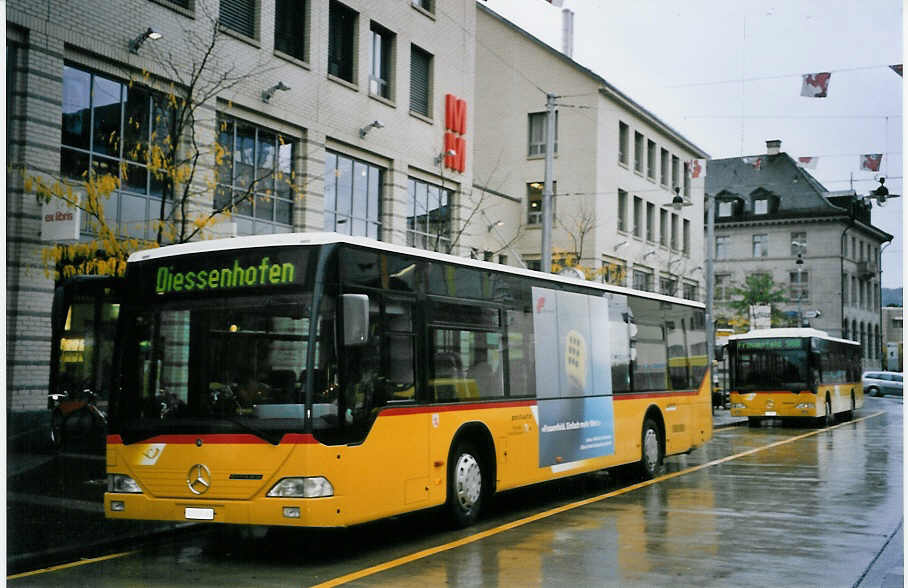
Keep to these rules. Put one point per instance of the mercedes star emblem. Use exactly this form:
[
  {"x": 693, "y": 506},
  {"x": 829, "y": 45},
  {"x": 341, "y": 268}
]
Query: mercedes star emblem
[{"x": 198, "y": 479}]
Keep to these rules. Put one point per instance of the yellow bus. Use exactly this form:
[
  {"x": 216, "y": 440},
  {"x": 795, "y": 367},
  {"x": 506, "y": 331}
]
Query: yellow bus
[
  {"x": 321, "y": 380},
  {"x": 794, "y": 372}
]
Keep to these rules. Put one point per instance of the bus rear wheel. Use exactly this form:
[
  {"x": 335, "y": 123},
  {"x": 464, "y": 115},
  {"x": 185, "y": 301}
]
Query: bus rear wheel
[
  {"x": 465, "y": 487},
  {"x": 650, "y": 450}
]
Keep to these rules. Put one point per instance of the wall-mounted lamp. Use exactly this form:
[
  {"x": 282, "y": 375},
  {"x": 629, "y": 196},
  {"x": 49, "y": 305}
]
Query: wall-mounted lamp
[
  {"x": 648, "y": 253},
  {"x": 678, "y": 201},
  {"x": 365, "y": 130},
  {"x": 495, "y": 225},
  {"x": 441, "y": 156},
  {"x": 699, "y": 268},
  {"x": 137, "y": 42},
  {"x": 619, "y": 245},
  {"x": 267, "y": 94}
]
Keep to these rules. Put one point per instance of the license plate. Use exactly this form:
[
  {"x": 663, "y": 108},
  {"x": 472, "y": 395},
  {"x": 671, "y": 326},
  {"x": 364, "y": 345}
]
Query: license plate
[
  {"x": 200, "y": 514},
  {"x": 770, "y": 413}
]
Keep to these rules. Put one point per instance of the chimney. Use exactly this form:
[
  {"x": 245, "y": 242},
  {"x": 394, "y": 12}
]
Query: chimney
[
  {"x": 773, "y": 146},
  {"x": 567, "y": 32}
]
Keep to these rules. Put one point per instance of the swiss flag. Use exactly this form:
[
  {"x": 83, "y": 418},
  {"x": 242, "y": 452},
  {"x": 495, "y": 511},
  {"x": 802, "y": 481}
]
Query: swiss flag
[
  {"x": 808, "y": 162},
  {"x": 815, "y": 85},
  {"x": 871, "y": 161},
  {"x": 696, "y": 168}
]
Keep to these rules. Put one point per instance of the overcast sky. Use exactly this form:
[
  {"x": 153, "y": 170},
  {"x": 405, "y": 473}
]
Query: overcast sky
[{"x": 727, "y": 76}]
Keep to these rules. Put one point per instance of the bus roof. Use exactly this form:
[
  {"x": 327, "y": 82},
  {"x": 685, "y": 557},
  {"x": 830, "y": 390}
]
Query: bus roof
[
  {"x": 289, "y": 239},
  {"x": 788, "y": 332}
]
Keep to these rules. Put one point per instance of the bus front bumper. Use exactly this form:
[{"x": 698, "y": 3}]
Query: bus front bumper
[{"x": 300, "y": 512}]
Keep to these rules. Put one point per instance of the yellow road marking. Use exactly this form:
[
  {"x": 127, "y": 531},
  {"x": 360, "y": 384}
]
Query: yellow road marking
[
  {"x": 71, "y": 565},
  {"x": 551, "y": 512}
]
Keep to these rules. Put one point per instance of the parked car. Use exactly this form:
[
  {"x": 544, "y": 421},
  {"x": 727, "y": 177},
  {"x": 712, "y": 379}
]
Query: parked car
[{"x": 882, "y": 383}]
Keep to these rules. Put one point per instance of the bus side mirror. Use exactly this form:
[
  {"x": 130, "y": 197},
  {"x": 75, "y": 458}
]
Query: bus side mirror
[{"x": 356, "y": 318}]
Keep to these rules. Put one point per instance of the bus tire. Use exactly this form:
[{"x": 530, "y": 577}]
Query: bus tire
[
  {"x": 651, "y": 451},
  {"x": 465, "y": 485},
  {"x": 828, "y": 418},
  {"x": 56, "y": 430},
  {"x": 850, "y": 413}
]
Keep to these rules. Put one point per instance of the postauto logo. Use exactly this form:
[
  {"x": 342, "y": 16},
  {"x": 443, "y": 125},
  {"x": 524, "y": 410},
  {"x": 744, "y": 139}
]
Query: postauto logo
[{"x": 168, "y": 281}]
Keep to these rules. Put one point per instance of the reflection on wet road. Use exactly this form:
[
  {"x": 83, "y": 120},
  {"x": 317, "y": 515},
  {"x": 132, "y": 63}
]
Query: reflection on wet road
[{"x": 772, "y": 506}]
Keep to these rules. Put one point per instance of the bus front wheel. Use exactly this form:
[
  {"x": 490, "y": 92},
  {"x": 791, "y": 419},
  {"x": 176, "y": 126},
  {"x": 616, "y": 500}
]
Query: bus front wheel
[
  {"x": 465, "y": 485},
  {"x": 828, "y": 418},
  {"x": 651, "y": 450}
]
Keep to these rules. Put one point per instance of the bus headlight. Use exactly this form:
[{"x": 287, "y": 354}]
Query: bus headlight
[
  {"x": 804, "y": 405},
  {"x": 738, "y": 405},
  {"x": 317, "y": 487},
  {"x": 122, "y": 484}
]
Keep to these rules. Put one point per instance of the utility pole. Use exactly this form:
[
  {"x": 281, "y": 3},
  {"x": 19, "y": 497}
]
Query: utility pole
[
  {"x": 710, "y": 278},
  {"x": 546, "y": 261}
]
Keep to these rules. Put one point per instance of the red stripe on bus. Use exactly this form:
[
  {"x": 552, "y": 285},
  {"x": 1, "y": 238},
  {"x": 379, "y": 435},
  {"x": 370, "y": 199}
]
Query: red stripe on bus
[
  {"x": 219, "y": 439},
  {"x": 402, "y": 410},
  {"x": 772, "y": 392},
  {"x": 622, "y": 396}
]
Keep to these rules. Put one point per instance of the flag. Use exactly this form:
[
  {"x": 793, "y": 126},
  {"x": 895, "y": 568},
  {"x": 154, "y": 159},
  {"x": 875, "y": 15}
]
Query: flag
[
  {"x": 815, "y": 85},
  {"x": 756, "y": 162},
  {"x": 871, "y": 161},
  {"x": 696, "y": 168},
  {"x": 897, "y": 68},
  {"x": 808, "y": 162}
]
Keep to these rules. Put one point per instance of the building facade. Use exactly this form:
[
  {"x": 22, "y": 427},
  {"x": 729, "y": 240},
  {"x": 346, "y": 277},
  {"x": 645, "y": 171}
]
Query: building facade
[
  {"x": 358, "y": 114},
  {"x": 615, "y": 169},
  {"x": 770, "y": 215},
  {"x": 893, "y": 338}
]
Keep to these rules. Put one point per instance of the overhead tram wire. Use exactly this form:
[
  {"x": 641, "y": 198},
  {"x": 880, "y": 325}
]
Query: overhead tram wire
[{"x": 775, "y": 77}]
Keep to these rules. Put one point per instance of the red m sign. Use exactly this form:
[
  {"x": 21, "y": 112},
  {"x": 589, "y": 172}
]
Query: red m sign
[{"x": 455, "y": 114}]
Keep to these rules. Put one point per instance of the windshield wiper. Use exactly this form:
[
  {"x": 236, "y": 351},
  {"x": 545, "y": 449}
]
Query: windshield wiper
[{"x": 273, "y": 437}]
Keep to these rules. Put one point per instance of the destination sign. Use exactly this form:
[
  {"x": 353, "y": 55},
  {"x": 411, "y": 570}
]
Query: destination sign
[{"x": 780, "y": 344}]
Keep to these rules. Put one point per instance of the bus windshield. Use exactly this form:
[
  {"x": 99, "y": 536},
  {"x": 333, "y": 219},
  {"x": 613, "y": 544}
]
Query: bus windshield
[
  {"x": 762, "y": 364},
  {"x": 216, "y": 361}
]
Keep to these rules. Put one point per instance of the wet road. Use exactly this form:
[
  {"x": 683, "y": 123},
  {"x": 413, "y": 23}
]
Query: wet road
[{"x": 771, "y": 506}]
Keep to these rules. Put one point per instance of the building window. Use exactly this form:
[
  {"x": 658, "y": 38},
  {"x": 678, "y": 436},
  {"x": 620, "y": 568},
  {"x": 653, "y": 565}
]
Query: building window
[
  {"x": 534, "y": 202},
  {"x": 798, "y": 243},
  {"x": 725, "y": 209},
  {"x": 290, "y": 28},
  {"x": 861, "y": 248},
  {"x": 663, "y": 164},
  {"x": 722, "y": 246},
  {"x": 638, "y": 152},
  {"x": 761, "y": 245},
  {"x": 420, "y": 81},
  {"x": 650, "y": 222},
  {"x": 674, "y": 235},
  {"x": 537, "y": 134},
  {"x": 761, "y": 206},
  {"x": 429, "y": 217},
  {"x": 108, "y": 127},
  {"x": 651, "y": 159},
  {"x": 638, "y": 217},
  {"x": 255, "y": 177},
  {"x": 380, "y": 72},
  {"x": 854, "y": 291},
  {"x": 622, "y": 210},
  {"x": 722, "y": 287},
  {"x": 342, "y": 42},
  {"x": 622, "y": 142},
  {"x": 685, "y": 236},
  {"x": 427, "y": 5},
  {"x": 353, "y": 196},
  {"x": 238, "y": 16},
  {"x": 675, "y": 164},
  {"x": 663, "y": 227},
  {"x": 798, "y": 283},
  {"x": 845, "y": 289},
  {"x": 686, "y": 180},
  {"x": 643, "y": 280},
  {"x": 854, "y": 248},
  {"x": 667, "y": 286},
  {"x": 690, "y": 291}
]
